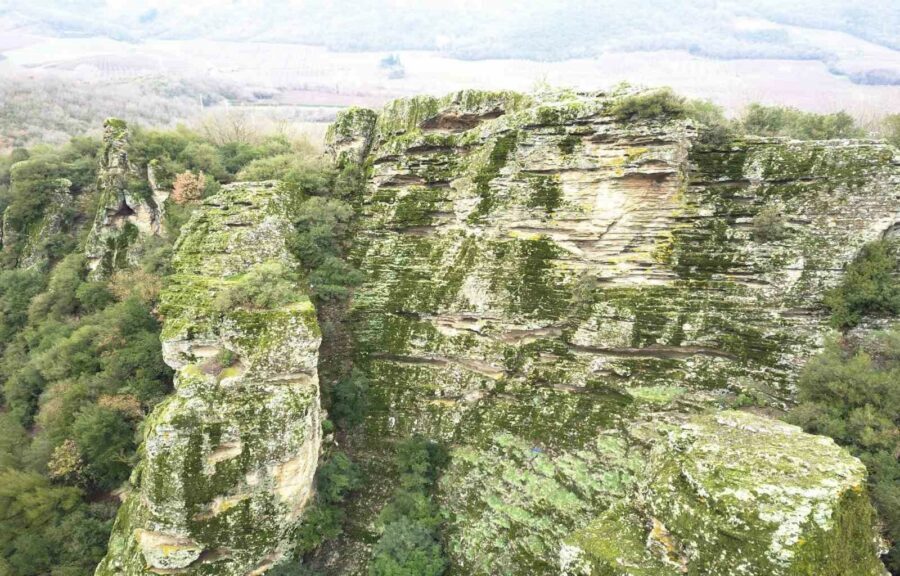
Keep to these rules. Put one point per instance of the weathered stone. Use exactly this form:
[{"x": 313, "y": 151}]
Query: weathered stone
[
  {"x": 229, "y": 458},
  {"x": 543, "y": 278},
  {"x": 128, "y": 210},
  {"x": 734, "y": 494},
  {"x": 31, "y": 243}
]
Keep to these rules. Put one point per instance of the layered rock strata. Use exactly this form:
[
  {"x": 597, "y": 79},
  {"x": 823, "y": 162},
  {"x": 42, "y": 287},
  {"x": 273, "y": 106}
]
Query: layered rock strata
[
  {"x": 129, "y": 210},
  {"x": 228, "y": 460},
  {"x": 546, "y": 279}
]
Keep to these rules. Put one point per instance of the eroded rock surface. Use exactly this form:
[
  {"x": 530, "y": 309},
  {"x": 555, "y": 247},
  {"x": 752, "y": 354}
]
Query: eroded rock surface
[
  {"x": 128, "y": 210},
  {"x": 33, "y": 244},
  {"x": 732, "y": 493},
  {"x": 228, "y": 459},
  {"x": 544, "y": 279}
]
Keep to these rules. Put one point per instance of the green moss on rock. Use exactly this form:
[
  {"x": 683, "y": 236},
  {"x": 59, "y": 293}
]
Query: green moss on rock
[
  {"x": 228, "y": 460},
  {"x": 542, "y": 273}
]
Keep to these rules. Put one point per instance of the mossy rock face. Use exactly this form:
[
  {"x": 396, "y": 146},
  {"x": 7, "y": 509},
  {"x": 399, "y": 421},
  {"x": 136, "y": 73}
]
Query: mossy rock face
[
  {"x": 129, "y": 209},
  {"x": 541, "y": 276},
  {"x": 734, "y": 493},
  {"x": 32, "y": 244},
  {"x": 228, "y": 460}
]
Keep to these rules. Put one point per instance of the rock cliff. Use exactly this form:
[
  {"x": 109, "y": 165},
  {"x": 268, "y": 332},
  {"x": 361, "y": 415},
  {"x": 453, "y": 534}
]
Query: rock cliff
[
  {"x": 33, "y": 242},
  {"x": 129, "y": 210},
  {"x": 228, "y": 460},
  {"x": 568, "y": 299}
]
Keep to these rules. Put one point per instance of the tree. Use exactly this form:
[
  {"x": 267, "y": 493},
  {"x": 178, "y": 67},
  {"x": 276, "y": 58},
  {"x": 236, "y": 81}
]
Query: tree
[
  {"x": 29, "y": 508},
  {"x": 266, "y": 285},
  {"x": 407, "y": 549},
  {"x": 188, "y": 188},
  {"x": 66, "y": 462},
  {"x": 322, "y": 226},
  {"x": 105, "y": 438},
  {"x": 349, "y": 399},
  {"x": 648, "y": 105},
  {"x": 851, "y": 392},
  {"x": 409, "y": 542},
  {"x": 891, "y": 129},
  {"x": 868, "y": 286},
  {"x": 790, "y": 122}
]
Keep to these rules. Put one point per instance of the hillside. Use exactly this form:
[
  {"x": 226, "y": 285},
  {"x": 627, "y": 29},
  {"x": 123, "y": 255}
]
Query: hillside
[{"x": 558, "y": 332}]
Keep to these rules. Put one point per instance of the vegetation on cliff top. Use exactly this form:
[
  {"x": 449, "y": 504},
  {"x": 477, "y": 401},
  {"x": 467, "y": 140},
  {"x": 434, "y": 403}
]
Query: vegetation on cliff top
[
  {"x": 870, "y": 286},
  {"x": 755, "y": 120},
  {"x": 851, "y": 391}
]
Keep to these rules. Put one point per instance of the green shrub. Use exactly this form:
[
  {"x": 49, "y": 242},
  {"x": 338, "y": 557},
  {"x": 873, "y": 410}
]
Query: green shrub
[
  {"x": 769, "y": 224},
  {"x": 333, "y": 279},
  {"x": 283, "y": 166},
  {"x": 648, "y": 105},
  {"x": 93, "y": 296},
  {"x": 336, "y": 478},
  {"x": 61, "y": 298},
  {"x": 322, "y": 227},
  {"x": 17, "y": 288},
  {"x": 407, "y": 548},
  {"x": 21, "y": 393},
  {"x": 890, "y": 129},
  {"x": 350, "y": 400},
  {"x": 792, "y": 123},
  {"x": 46, "y": 529},
  {"x": 715, "y": 129},
  {"x": 105, "y": 439},
  {"x": 265, "y": 286},
  {"x": 409, "y": 543},
  {"x": 851, "y": 392},
  {"x": 870, "y": 285}
]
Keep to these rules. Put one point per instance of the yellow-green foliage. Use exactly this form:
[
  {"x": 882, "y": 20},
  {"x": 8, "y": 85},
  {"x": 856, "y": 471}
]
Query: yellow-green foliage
[{"x": 266, "y": 285}]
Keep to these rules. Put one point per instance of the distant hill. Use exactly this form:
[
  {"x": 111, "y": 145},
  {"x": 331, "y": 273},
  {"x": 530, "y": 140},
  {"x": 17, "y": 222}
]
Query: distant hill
[{"x": 476, "y": 30}]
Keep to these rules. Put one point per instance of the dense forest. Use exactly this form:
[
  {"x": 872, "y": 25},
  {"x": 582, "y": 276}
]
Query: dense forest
[{"x": 81, "y": 365}]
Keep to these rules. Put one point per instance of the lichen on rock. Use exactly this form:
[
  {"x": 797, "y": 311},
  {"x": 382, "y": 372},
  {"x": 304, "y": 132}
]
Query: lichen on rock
[
  {"x": 32, "y": 242},
  {"x": 129, "y": 208},
  {"x": 541, "y": 276},
  {"x": 734, "y": 493},
  {"x": 228, "y": 460}
]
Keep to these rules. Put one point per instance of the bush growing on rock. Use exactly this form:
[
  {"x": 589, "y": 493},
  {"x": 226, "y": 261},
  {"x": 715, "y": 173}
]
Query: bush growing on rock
[
  {"x": 266, "y": 285},
  {"x": 869, "y": 286},
  {"x": 891, "y": 129},
  {"x": 336, "y": 478},
  {"x": 649, "y": 105},
  {"x": 350, "y": 399},
  {"x": 769, "y": 224},
  {"x": 410, "y": 544},
  {"x": 784, "y": 121},
  {"x": 319, "y": 241}
]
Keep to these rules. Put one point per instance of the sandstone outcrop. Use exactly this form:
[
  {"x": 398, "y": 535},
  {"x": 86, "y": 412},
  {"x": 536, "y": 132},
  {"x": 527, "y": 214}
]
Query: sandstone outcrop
[
  {"x": 228, "y": 460},
  {"x": 32, "y": 243},
  {"x": 129, "y": 210},
  {"x": 546, "y": 282}
]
